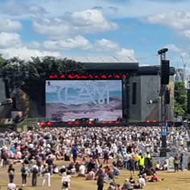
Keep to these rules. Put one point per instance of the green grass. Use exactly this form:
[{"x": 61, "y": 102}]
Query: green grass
[{"x": 172, "y": 181}]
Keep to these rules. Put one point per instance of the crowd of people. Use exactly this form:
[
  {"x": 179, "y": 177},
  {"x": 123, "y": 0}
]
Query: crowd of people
[{"x": 94, "y": 153}]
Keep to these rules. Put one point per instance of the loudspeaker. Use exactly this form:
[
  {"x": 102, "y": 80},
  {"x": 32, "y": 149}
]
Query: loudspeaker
[
  {"x": 164, "y": 143},
  {"x": 167, "y": 97},
  {"x": 165, "y": 72},
  {"x": 188, "y": 101},
  {"x": 14, "y": 103}
]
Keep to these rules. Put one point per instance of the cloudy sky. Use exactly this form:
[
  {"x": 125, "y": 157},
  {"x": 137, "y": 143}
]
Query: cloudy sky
[{"x": 117, "y": 30}]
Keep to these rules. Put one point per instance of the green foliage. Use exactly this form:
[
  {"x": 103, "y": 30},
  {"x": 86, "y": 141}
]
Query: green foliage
[
  {"x": 21, "y": 74},
  {"x": 40, "y": 68},
  {"x": 1, "y": 59},
  {"x": 180, "y": 95},
  {"x": 1, "y": 63}
]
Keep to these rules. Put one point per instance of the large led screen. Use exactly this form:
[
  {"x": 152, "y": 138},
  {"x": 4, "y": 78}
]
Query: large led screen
[{"x": 69, "y": 100}]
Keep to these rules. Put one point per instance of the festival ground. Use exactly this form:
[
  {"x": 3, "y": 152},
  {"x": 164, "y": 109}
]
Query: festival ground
[{"x": 172, "y": 181}]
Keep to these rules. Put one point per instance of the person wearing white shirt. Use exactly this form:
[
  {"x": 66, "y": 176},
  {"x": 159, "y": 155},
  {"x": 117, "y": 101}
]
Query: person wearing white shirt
[
  {"x": 142, "y": 182},
  {"x": 66, "y": 179},
  {"x": 11, "y": 186},
  {"x": 81, "y": 171}
]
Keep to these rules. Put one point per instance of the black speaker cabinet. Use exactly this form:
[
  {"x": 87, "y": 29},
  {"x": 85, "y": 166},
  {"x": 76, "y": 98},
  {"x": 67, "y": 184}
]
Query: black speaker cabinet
[{"x": 165, "y": 72}]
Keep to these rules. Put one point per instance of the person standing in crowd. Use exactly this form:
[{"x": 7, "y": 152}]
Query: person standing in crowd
[
  {"x": 106, "y": 157},
  {"x": 4, "y": 157},
  {"x": 74, "y": 153},
  {"x": 49, "y": 161},
  {"x": 46, "y": 175},
  {"x": 11, "y": 171},
  {"x": 181, "y": 162},
  {"x": 131, "y": 164},
  {"x": 141, "y": 162},
  {"x": 176, "y": 163},
  {"x": 34, "y": 171},
  {"x": 100, "y": 181},
  {"x": 24, "y": 172},
  {"x": 148, "y": 160}
]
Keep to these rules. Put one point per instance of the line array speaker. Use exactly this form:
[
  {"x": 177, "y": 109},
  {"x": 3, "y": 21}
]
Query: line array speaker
[{"x": 165, "y": 72}]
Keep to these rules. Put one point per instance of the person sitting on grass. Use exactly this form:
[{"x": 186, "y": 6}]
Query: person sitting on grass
[
  {"x": 82, "y": 171},
  {"x": 155, "y": 178},
  {"x": 90, "y": 175},
  {"x": 116, "y": 171},
  {"x": 118, "y": 187},
  {"x": 127, "y": 185},
  {"x": 157, "y": 166},
  {"x": 112, "y": 186},
  {"x": 132, "y": 181},
  {"x": 11, "y": 186},
  {"x": 141, "y": 183}
]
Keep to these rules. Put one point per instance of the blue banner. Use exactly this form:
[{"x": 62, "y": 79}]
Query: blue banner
[{"x": 164, "y": 129}]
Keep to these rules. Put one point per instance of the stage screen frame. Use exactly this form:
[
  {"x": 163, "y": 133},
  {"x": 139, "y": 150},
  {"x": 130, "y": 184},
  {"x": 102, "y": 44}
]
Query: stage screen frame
[{"x": 100, "y": 94}]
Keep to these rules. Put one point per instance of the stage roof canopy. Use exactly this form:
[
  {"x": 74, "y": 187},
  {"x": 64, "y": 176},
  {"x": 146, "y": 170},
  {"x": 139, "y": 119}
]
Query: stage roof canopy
[{"x": 128, "y": 67}]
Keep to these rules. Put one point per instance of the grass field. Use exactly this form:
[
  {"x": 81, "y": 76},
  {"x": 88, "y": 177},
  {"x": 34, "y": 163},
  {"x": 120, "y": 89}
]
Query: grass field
[{"x": 172, "y": 181}]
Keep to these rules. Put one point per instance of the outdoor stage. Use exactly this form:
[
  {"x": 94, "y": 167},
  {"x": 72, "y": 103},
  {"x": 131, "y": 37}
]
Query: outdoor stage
[{"x": 105, "y": 94}]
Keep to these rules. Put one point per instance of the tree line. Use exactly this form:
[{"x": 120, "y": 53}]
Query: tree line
[{"x": 25, "y": 80}]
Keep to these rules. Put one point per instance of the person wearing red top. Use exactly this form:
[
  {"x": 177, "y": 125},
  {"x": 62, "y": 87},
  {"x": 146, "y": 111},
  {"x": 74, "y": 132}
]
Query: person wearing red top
[{"x": 155, "y": 178}]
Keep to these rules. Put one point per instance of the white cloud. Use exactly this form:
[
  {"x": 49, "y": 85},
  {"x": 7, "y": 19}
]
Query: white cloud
[
  {"x": 7, "y": 25},
  {"x": 106, "y": 45},
  {"x": 110, "y": 8},
  {"x": 178, "y": 20},
  {"x": 67, "y": 22},
  {"x": 9, "y": 40},
  {"x": 113, "y": 8},
  {"x": 26, "y": 53},
  {"x": 126, "y": 55},
  {"x": 175, "y": 19},
  {"x": 187, "y": 33},
  {"x": 67, "y": 44},
  {"x": 76, "y": 23},
  {"x": 33, "y": 45},
  {"x": 11, "y": 46},
  {"x": 172, "y": 47},
  {"x": 17, "y": 8}
]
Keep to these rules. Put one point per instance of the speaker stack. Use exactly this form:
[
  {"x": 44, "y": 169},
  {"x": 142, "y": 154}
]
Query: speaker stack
[{"x": 165, "y": 72}]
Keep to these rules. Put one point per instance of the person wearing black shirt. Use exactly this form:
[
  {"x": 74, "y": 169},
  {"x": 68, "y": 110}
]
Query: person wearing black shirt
[
  {"x": 49, "y": 161},
  {"x": 11, "y": 171},
  {"x": 100, "y": 181},
  {"x": 24, "y": 172}
]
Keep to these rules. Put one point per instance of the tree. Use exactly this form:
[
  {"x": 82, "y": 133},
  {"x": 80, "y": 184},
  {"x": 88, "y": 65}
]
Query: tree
[
  {"x": 30, "y": 76},
  {"x": 180, "y": 96},
  {"x": 1, "y": 61}
]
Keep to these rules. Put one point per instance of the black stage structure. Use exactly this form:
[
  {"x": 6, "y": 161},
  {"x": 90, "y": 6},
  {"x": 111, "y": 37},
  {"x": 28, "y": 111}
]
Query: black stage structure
[{"x": 140, "y": 94}]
